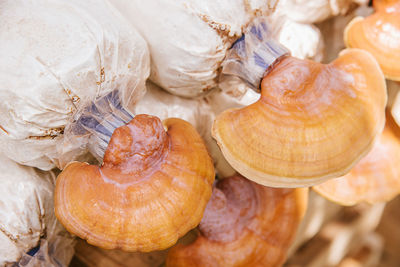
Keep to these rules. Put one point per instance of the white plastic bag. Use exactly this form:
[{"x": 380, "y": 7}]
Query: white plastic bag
[
  {"x": 311, "y": 11},
  {"x": 301, "y": 39},
  {"x": 56, "y": 57},
  {"x": 188, "y": 40},
  {"x": 164, "y": 105},
  {"x": 27, "y": 218}
]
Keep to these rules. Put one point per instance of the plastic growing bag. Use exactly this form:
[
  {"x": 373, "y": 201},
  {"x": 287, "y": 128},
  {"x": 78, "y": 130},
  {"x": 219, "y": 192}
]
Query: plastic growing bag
[
  {"x": 188, "y": 40},
  {"x": 311, "y": 11},
  {"x": 29, "y": 230},
  {"x": 57, "y": 57}
]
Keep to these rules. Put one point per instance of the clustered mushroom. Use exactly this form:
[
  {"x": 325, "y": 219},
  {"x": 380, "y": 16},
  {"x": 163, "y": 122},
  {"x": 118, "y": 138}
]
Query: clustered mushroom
[
  {"x": 375, "y": 178},
  {"x": 312, "y": 121},
  {"x": 151, "y": 189},
  {"x": 281, "y": 120},
  {"x": 244, "y": 224},
  {"x": 379, "y": 34}
]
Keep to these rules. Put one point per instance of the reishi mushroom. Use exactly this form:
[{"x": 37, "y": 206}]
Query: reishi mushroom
[
  {"x": 312, "y": 121},
  {"x": 152, "y": 187},
  {"x": 245, "y": 224},
  {"x": 379, "y": 34},
  {"x": 376, "y": 178}
]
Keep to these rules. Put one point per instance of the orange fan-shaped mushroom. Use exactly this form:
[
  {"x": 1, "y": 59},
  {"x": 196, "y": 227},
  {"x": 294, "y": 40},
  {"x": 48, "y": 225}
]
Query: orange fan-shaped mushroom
[
  {"x": 379, "y": 34},
  {"x": 312, "y": 121},
  {"x": 152, "y": 188},
  {"x": 386, "y": 5},
  {"x": 376, "y": 178},
  {"x": 245, "y": 224}
]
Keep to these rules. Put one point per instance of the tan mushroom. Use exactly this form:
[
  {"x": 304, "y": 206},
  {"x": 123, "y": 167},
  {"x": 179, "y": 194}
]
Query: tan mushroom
[
  {"x": 376, "y": 178},
  {"x": 312, "y": 122},
  {"x": 379, "y": 34},
  {"x": 245, "y": 224},
  {"x": 151, "y": 189}
]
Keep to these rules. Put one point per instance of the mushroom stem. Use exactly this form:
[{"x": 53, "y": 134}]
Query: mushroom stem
[
  {"x": 252, "y": 56},
  {"x": 99, "y": 120}
]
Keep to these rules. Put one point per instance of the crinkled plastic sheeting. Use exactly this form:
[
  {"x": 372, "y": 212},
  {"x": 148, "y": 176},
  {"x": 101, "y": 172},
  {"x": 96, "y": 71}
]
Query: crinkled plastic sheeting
[
  {"x": 188, "y": 40},
  {"x": 57, "y": 57},
  {"x": 30, "y": 234},
  {"x": 57, "y": 251},
  {"x": 312, "y": 11}
]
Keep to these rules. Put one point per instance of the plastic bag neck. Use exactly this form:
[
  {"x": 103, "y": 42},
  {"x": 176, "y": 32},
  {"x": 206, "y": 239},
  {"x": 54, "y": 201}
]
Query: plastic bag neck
[
  {"x": 99, "y": 120},
  {"x": 251, "y": 56}
]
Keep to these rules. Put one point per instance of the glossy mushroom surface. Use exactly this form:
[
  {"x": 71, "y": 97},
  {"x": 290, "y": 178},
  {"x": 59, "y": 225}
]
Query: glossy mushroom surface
[
  {"x": 376, "y": 178},
  {"x": 312, "y": 122},
  {"x": 386, "y": 5},
  {"x": 379, "y": 34},
  {"x": 152, "y": 188},
  {"x": 245, "y": 224}
]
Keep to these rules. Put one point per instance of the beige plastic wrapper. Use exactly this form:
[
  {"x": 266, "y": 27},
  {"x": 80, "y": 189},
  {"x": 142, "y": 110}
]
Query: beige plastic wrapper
[
  {"x": 164, "y": 105},
  {"x": 312, "y": 11},
  {"x": 55, "y": 251},
  {"x": 27, "y": 220},
  {"x": 189, "y": 39},
  {"x": 303, "y": 40},
  {"x": 57, "y": 57}
]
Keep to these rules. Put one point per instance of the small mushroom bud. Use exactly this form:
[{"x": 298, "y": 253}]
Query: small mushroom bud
[
  {"x": 376, "y": 178},
  {"x": 245, "y": 224},
  {"x": 151, "y": 189},
  {"x": 379, "y": 34},
  {"x": 312, "y": 121}
]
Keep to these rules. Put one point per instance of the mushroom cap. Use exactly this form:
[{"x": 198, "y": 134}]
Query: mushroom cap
[
  {"x": 152, "y": 188},
  {"x": 386, "y": 5},
  {"x": 379, "y": 34},
  {"x": 312, "y": 122},
  {"x": 376, "y": 178},
  {"x": 245, "y": 224}
]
